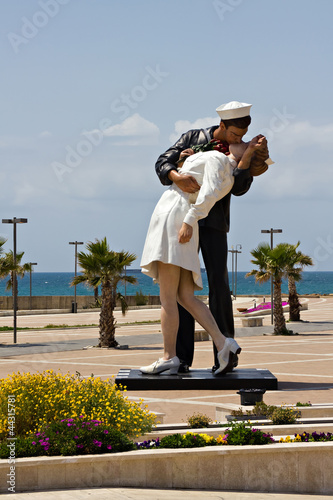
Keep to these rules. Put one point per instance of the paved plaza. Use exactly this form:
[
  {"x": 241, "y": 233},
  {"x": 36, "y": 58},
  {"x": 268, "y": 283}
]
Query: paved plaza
[{"x": 303, "y": 363}]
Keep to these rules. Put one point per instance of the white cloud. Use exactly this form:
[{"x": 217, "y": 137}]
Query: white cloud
[
  {"x": 182, "y": 126},
  {"x": 303, "y": 170},
  {"x": 45, "y": 134},
  {"x": 133, "y": 126},
  {"x": 300, "y": 177},
  {"x": 303, "y": 135},
  {"x": 25, "y": 192},
  {"x": 16, "y": 142}
]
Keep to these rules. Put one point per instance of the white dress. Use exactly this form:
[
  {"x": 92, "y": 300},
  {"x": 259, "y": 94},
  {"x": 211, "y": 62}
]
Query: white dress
[{"x": 213, "y": 172}]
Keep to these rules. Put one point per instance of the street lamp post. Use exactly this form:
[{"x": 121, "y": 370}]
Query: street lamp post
[
  {"x": 271, "y": 231},
  {"x": 76, "y": 243},
  {"x": 237, "y": 251},
  {"x": 14, "y": 221},
  {"x": 234, "y": 269},
  {"x": 30, "y": 301},
  {"x": 232, "y": 251}
]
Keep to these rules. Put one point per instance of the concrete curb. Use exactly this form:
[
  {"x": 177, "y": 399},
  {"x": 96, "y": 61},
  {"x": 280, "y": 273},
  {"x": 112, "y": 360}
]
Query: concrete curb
[{"x": 283, "y": 468}]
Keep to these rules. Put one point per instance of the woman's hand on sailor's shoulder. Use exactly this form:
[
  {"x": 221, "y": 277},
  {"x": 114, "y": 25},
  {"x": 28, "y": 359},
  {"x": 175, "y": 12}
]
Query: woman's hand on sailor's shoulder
[
  {"x": 186, "y": 152},
  {"x": 185, "y": 233}
]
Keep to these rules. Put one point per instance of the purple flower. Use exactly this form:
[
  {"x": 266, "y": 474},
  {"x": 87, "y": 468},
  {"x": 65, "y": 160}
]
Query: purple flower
[
  {"x": 76, "y": 437},
  {"x": 109, "y": 447},
  {"x": 79, "y": 445},
  {"x": 34, "y": 442},
  {"x": 106, "y": 431},
  {"x": 97, "y": 443}
]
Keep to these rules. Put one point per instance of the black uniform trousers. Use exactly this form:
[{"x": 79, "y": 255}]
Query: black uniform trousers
[{"x": 214, "y": 248}]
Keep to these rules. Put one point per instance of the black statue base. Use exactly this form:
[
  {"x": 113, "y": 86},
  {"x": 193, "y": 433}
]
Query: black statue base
[{"x": 204, "y": 379}]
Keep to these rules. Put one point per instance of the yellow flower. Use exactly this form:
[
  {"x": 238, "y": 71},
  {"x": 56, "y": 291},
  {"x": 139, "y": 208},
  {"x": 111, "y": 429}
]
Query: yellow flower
[{"x": 222, "y": 439}]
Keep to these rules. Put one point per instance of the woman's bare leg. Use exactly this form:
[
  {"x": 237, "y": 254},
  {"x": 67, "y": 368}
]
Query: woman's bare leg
[
  {"x": 169, "y": 277},
  {"x": 197, "y": 308}
]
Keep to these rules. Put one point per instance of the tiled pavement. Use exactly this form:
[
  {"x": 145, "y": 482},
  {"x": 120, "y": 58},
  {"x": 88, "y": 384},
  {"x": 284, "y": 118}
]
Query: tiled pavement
[
  {"x": 154, "y": 494},
  {"x": 303, "y": 363}
]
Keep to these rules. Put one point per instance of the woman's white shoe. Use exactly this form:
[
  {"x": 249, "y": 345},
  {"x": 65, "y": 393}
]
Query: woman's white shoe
[
  {"x": 162, "y": 365},
  {"x": 225, "y": 356}
]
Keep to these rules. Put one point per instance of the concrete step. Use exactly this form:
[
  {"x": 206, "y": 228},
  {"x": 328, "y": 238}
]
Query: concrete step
[{"x": 249, "y": 378}]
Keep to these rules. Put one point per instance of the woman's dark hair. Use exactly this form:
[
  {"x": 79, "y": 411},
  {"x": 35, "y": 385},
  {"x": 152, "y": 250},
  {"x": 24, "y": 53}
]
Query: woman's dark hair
[{"x": 243, "y": 122}]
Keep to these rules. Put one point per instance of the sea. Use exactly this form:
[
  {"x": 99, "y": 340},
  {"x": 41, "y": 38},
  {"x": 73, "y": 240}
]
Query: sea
[{"x": 59, "y": 284}]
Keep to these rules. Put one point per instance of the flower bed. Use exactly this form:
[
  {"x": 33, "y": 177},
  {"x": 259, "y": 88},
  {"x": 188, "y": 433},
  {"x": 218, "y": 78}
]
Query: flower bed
[
  {"x": 79, "y": 437},
  {"x": 29, "y": 401},
  {"x": 306, "y": 437},
  {"x": 51, "y": 433}
]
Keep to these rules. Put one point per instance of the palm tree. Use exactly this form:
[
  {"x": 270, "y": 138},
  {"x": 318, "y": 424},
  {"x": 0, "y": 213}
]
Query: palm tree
[
  {"x": 272, "y": 263},
  {"x": 8, "y": 267},
  {"x": 2, "y": 242},
  {"x": 296, "y": 262},
  {"x": 102, "y": 266}
]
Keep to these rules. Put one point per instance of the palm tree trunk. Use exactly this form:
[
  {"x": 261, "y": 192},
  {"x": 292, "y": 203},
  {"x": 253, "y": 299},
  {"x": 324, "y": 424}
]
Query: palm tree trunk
[
  {"x": 107, "y": 322},
  {"x": 279, "y": 321},
  {"x": 294, "y": 305}
]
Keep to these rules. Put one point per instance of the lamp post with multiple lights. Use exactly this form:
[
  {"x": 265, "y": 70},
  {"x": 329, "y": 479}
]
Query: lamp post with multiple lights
[
  {"x": 76, "y": 243},
  {"x": 234, "y": 269},
  {"x": 14, "y": 221},
  {"x": 271, "y": 231}
]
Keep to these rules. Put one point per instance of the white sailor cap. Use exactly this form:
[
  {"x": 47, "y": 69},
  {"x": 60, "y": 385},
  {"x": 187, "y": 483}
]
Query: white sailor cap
[{"x": 233, "y": 109}]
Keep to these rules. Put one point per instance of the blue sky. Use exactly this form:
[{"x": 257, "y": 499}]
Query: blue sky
[{"x": 92, "y": 92}]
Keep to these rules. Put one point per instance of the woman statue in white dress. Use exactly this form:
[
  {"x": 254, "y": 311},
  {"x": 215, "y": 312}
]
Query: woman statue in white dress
[{"x": 170, "y": 254}]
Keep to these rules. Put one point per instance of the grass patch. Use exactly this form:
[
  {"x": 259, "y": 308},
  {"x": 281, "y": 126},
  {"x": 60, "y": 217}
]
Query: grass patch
[
  {"x": 50, "y": 325},
  {"x": 91, "y": 325},
  {"x": 10, "y": 328},
  {"x": 148, "y": 322}
]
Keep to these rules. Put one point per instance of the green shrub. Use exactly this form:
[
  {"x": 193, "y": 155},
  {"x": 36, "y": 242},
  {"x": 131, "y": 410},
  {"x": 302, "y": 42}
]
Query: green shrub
[
  {"x": 42, "y": 398},
  {"x": 281, "y": 416},
  {"x": 198, "y": 421},
  {"x": 141, "y": 299},
  {"x": 187, "y": 440},
  {"x": 241, "y": 433},
  {"x": 260, "y": 409}
]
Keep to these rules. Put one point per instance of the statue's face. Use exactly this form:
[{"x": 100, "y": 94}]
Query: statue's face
[{"x": 234, "y": 135}]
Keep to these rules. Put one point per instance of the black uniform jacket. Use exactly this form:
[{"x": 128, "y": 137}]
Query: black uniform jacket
[{"x": 219, "y": 216}]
